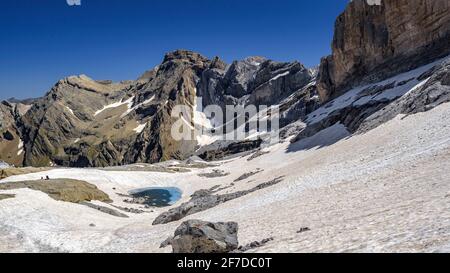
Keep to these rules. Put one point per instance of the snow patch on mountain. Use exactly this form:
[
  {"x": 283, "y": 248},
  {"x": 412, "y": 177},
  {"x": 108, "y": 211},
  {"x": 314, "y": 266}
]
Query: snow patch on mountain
[
  {"x": 140, "y": 128},
  {"x": 280, "y": 75},
  {"x": 203, "y": 125},
  {"x": 128, "y": 102},
  {"x": 374, "y": 2},
  {"x": 131, "y": 109},
  {"x": 70, "y": 110},
  {"x": 20, "y": 147}
]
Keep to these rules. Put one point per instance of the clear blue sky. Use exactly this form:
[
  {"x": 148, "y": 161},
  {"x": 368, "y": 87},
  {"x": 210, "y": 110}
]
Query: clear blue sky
[{"x": 43, "y": 41}]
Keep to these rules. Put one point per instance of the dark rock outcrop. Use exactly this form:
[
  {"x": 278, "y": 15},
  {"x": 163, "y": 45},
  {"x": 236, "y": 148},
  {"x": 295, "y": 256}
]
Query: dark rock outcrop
[
  {"x": 10, "y": 141},
  {"x": 274, "y": 82},
  {"x": 233, "y": 148},
  {"x": 195, "y": 236},
  {"x": 253, "y": 245},
  {"x": 104, "y": 209}
]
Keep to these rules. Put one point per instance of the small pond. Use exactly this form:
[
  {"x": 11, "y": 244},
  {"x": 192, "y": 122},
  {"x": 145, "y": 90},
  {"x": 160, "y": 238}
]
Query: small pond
[{"x": 157, "y": 196}]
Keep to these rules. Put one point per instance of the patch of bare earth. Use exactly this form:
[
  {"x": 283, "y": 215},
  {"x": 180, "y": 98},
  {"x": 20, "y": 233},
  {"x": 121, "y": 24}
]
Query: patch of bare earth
[{"x": 6, "y": 196}]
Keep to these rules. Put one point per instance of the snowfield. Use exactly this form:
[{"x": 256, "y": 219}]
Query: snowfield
[{"x": 387, "y": 190}]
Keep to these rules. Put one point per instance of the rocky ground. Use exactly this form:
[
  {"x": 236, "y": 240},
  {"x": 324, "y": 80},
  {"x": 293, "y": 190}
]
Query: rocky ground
[{"x": 67, "y": 190}]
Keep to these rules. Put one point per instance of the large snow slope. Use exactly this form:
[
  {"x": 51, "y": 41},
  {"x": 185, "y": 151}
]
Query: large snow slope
[{"x": 385, "y": 190}]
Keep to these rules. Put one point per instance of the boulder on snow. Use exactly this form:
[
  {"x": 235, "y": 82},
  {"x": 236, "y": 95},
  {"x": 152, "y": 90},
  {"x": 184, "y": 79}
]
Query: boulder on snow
[{"x": 195, "y": 236}]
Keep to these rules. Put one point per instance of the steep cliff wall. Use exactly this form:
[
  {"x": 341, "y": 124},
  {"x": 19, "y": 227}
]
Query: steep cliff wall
[{"x": 377, "y": 39}]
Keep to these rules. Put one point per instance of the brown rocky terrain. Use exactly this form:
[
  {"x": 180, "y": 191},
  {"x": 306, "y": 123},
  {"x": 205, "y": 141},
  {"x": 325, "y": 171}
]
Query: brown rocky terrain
[
  {"x": 7, "y": 172},
  {"x": 68, "y": 190},
  {"x": 6, "y": 196}
]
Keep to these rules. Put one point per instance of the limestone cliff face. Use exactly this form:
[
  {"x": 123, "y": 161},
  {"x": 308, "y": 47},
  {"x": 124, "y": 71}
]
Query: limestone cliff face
[{"x": 382, "y": 39}]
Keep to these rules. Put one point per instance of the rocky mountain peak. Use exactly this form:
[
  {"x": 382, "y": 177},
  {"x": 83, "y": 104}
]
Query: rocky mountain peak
[
  {"x": 255, "y": 60},
  {"x": 369, "y": 2},
  {"x": 149, "y": 74},
  {"x": 86, "y": 83},
  {"x": 240, "y": 73},
  {"x": 218, "y": 63},
  {"x": 184, "y": 55}
]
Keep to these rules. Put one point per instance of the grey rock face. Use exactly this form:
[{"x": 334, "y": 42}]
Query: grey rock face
[
  {"x": 255, "y": 80},
  {"x": 274, "y": 82},
  {"x": 195, "y": 236},
  {"x": 239, "y": 75},
  {"x": 174, "y": 84},
  {"x": 6, "y": 116},
  {"x": 298, "y": 105},
  {"x": 210, "y": 86},
  {"x": 233, "y": 148},
  {"x": 10, "y": 142}
]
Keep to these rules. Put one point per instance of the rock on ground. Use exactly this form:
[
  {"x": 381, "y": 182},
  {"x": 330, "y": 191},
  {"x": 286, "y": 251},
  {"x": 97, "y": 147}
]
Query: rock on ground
[{"x": 195, "y": 236}]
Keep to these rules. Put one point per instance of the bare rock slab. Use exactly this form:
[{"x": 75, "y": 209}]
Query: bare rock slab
[{"x": 195, "y": 236}]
